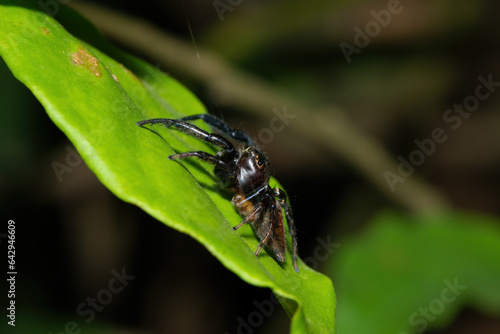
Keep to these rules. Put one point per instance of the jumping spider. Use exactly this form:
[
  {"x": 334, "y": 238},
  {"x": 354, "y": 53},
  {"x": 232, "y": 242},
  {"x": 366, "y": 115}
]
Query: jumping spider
[{"x": 244, "y": 172}]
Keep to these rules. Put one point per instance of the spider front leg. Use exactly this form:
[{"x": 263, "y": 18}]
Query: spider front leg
[
  {"x": 291, "y": 224},
  {"x": 214, "y": 122},
  {"x": 194, "y": 131},
  {"x": 228, "y": 149}
]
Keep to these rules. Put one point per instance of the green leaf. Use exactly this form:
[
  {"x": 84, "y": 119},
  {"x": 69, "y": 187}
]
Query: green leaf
[
  {"x": 96, "y": 96},
  {"x": 404, "y": 275}
]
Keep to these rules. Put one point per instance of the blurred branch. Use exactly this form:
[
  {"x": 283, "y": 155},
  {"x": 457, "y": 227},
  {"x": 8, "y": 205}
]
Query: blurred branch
[{"x": 326, "y": 127}]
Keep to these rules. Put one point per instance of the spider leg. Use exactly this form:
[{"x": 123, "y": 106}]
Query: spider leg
[
  {"x": 220, "y": 125},
  {"x": 264, "y": 240},
  {"x": 192, "y": 130},
  {"x": 253, "y": 216},
  {"x": 204, "y": 156},
  {"x": 291, "y": 224}
]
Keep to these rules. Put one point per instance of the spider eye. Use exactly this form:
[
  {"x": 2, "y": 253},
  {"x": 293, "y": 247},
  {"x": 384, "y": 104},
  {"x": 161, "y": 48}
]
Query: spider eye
[{"x": 259, "y": 162}]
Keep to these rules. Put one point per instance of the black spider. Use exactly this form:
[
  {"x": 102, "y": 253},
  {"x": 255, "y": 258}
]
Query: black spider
[{"x": 246, "y": 173}]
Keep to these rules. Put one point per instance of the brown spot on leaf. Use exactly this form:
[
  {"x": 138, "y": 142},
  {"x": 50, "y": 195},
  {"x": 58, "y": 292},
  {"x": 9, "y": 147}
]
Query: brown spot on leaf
[
  {"x": 84, "y": 59},
  {"x": 45, "y": 31}
]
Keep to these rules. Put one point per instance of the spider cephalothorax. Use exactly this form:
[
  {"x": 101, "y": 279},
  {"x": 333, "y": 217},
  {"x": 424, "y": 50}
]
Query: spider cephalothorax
[{"x": 245, "y": 172}]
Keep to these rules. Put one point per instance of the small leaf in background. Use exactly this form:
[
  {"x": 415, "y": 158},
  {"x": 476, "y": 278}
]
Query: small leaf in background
[{"x": 406, "y": 275}]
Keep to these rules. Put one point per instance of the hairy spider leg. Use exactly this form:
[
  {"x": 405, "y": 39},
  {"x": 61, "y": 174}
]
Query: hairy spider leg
[
  {"x": 291, "y": 224},
  {"x": 228, "y": 149},
  {"x": 204, "y": 156},
  {"x": 264, "y": 240},
  {"x": 213, "y": 121},
  {"x": 194, "y": 131},
  {"x": 251, "y": 217}
]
